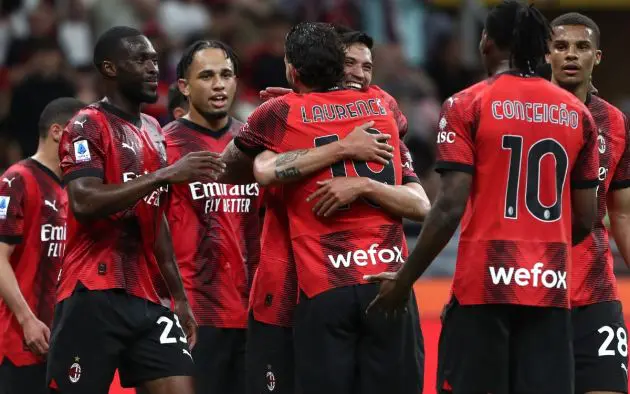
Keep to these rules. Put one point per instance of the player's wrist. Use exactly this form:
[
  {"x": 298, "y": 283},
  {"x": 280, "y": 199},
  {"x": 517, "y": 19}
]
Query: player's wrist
[
  {"x": 162, "y": 176},
  {"x": 24, "y": 317}
]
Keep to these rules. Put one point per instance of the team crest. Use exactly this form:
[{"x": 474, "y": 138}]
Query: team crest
[
  {"x": 602, "y": 143},
  {"x": 271, "y": 379},
  {"x": 74, "y": 373},
  {"x": 4, "y": 206},
  {"x": 81, "y": 151}
]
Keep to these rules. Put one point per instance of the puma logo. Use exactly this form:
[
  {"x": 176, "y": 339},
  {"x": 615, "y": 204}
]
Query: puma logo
[
  {"x": 80, "y": 123},
  {"x": 126, "y": 145},
  {"x": 625, "y": 369},
  {"x": 8, "y": 181},
  {"x": 51, "y": 204},
  {"x": 186, "y": 352}
]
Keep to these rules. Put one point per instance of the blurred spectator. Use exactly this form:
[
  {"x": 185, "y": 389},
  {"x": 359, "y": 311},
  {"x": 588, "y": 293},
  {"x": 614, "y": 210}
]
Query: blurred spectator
[
  {"x": 75, "y": 34},
  {"x": 46, "y": 79},
  {"x": 180, "y": 19}
]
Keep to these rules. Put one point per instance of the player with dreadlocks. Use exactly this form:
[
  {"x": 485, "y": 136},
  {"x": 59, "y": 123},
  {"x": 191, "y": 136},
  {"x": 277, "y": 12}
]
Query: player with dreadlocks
[{"x": 517, "y": 157}]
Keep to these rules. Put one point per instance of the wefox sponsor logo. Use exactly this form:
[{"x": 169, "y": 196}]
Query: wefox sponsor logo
[
  {"x": 363, "y": 257},
  {"x": 535, "y": 277}
]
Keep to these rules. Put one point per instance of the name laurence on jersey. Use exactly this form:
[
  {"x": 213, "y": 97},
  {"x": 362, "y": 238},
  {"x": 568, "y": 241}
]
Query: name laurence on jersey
[
  {"x": 526, "y": 142},
  {"x": 216, "y": 231},
  {"x": 359, "y": 239},
  {"x": 593, "y": 278},
  {"x": 114, "y": 252},
  {"x": 33, "y": 209}
]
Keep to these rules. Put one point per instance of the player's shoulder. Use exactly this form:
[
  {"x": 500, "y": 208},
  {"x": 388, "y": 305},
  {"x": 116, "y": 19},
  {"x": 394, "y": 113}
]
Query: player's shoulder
[
  {"x": 150, "y": 120},
  {"x": 91, "y": 113},
  {"x": 16, "y": 174},
  {"x": 597, "y": 103},
  {"x": 172, "y": 127}
]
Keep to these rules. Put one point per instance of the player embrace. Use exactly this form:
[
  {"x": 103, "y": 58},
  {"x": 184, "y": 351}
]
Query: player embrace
[{"x": 518, "y": 161}]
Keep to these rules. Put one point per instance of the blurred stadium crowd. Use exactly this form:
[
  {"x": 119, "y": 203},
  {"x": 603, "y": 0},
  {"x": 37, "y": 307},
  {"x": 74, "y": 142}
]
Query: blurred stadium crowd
[{"x": 46, "y": 48}]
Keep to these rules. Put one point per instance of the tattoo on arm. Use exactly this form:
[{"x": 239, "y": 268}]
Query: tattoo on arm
[
  {"x": 287, "y": 173},
  {"x": 289, "y": 157}
]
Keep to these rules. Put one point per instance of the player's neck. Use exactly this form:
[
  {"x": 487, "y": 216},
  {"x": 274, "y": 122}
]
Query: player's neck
[
  {"x": 212, "y": 124},
  {"x": 581, "y": 91},
  {"x": 47, "y": 154},
  {"x": 501, "y": 67},
  {"x": 121, "y": 102}
]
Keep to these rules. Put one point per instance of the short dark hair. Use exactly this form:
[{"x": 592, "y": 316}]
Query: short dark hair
[
  {"x": 108, "y": 43},
  {"x": 59, "y": 111},
  {"x": 189, "y": 54},
  {"x": 577, "y": 19},
  {"x": 175, "y": 98},
  {"x": 521, "y": 29},
  {"x": 317, "y": 53},
  {"x": 357, "y": 37}
]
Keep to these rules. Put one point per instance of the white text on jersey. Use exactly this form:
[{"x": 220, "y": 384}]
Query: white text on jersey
[
  {"x": 534, "y": 277},
  {"x": 372, "y": 256},
  {"x": 536, "y": 113}
]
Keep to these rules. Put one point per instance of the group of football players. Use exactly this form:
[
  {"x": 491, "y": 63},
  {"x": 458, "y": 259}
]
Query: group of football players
[{"x": 214, "y": 256}]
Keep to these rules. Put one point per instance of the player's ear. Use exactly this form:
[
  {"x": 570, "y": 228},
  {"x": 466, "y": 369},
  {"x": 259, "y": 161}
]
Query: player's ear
[
  {"x": 55, "y": 132},
  {"x": 108, "y": 69},
  {"x": 598, "y": 57},
  {"x": 182, "y": 85}
]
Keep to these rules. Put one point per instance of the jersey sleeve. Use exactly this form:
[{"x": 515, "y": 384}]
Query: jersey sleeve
[
  {"x": 621, "y": 177},
  {"x": 401, "y": 119},
  {"x": 408, "y": 173},
  {"x": 586, "y": 168},
  {"x": 265, "y": 128},
  {"x": 82, "y": 151},
  {"x": 12, "y": 199},
  {"x": 455, "y": 142}
]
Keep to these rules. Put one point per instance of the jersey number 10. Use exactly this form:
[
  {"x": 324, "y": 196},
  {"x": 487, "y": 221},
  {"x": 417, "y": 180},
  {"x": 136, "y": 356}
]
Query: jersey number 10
[
  {"x": 547, "y": 146},
  {"x": 386, "y": 175}
]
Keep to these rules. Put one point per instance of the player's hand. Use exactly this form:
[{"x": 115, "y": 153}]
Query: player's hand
[
  {"x": 36, "y": 336},
  {"x": 272, "y": 92},
  {"x": 187, "y": 320},
  {"x": 195, "y": 166},
  {"x": 361, "y": 145},
  {"x": 335, "y": 193},
  {"x": 392, "y": 293}
]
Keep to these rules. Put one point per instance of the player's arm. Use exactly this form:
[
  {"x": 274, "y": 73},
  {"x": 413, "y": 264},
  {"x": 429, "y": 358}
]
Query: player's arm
[
  {"x": 239, "y": 166},
  {"x": 584, "y": 181},
  {"x": 619, "y": 200},
  {"x": 167, "y": 263},
  {"x": 277, "y": 168},
  {"x": 36, "y": 333},
  {"x": 408, "y": 200}
]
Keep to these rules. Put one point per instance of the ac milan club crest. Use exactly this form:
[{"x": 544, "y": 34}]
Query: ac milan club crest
[
  {"x": 271, "y": 379},
  {"x": 74, "y": 373}
]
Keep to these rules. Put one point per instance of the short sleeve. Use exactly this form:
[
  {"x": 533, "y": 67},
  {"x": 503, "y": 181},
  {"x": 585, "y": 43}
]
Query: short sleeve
[
  {"x": 621, "y": 177},
  {"x": 82, "y": 151},
  {"x": 408, "y": 173},
  {"x": 265, "y": 128},
  {"x": 585, "y": 171},
  {"x": 455, "y": 142},
  {"x": 12, "y": 200},
  {"x": 401, "y": 119}
]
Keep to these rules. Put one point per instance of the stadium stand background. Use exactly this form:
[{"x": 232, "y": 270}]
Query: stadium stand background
[{"x": 430, "y": 47}]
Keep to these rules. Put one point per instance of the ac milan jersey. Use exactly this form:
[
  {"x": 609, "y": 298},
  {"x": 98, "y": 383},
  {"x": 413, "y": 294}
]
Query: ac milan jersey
[
  {"x": 593, "y": 278},
  {"x": 113, "y": 252},
  {"x": 526, "y": 142},
  {"x": 359, "y": 239},
  {"x": 216, "y": 230},
  {"x": 33, "y": 218}
]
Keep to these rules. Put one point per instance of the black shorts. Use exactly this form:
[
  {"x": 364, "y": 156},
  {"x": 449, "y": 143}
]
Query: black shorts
[
  {"x": 270, "y": 366},
  {"x": 95, "y": 332},
  {"x": 29, "y": 379},
  {"x": 219, "y": 356},
  {"x": 503, "y": 349},
  {"x": 600, "y": 344},
  {"x": 340, "y": 349}
]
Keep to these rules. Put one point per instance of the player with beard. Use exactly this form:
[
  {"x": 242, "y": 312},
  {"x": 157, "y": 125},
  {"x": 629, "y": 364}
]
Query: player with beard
[
  {"x": 518, "y": 159},
  {"x": 286, "y": 125},
  {"x": 32, "y": 238},
  {"x": 216, "y": 226},
  {"x": 330, "y": 196},
  {"x": 600, "y": 340},
  {"x": 113, "y": 159}
]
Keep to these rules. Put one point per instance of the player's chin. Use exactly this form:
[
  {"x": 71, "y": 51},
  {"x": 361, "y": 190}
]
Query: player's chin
[{"x": 149, "y": 97}]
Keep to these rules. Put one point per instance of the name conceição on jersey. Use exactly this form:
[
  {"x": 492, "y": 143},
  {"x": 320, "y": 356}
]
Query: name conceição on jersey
[
  {"x": 221, "y": 197},
  {"x": 535, "y": 112}
]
